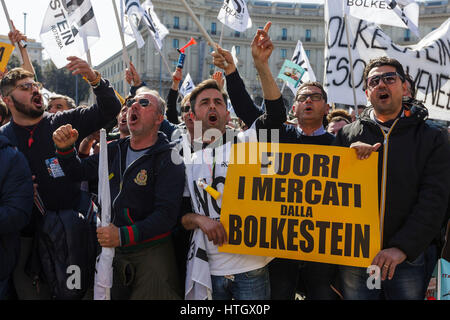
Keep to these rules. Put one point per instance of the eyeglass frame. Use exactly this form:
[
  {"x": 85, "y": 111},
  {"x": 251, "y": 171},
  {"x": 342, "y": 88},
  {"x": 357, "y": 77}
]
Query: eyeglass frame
[
  {"x": 309, "y": 96},
  {"x": 382, "y": 76},
  {"x": 30, "y": 85},
  {"x": 130, "y": 102}
]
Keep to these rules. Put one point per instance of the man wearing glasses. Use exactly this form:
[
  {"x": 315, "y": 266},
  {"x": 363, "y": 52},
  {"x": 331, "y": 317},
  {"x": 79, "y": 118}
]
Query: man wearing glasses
[
  {"x": 146, "y": 188},
  {"x": 310, "y": 108},
  {"x": 414, "y": 184},
  {"x": 31, "y": 129}
]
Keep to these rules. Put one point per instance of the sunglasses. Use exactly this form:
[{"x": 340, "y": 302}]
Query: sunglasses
[
  {"x": 142, "y": 102},
  {"x": 388, "y": 78},
  {"x": 185, "y": 109},
  {"x": 27, "y": 86},
  {"x": 313, "y": 96}
]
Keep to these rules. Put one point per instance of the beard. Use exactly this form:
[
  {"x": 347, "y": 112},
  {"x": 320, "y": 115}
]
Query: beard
[{"x": 27, "y": 111}]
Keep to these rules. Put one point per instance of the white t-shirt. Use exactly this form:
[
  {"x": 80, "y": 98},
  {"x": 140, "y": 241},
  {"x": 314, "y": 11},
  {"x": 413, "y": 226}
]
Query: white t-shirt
[{"x": 210, "y": 165}]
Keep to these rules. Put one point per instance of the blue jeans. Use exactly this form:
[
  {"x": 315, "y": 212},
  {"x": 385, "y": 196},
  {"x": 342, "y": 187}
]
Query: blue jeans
[
  {"x": 408, "y": 282},
  {"x": 251, "y": 285},
  {"x": 284, "y": 274},
  {"x": 318, "y": 278}
]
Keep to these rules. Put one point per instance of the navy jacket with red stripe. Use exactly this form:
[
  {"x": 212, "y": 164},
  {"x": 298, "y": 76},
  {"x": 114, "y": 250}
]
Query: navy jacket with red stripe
[{"x": 145, "y": 197}]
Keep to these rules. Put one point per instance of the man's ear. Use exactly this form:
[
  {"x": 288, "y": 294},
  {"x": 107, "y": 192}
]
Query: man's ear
[
  {"x": 7, "y": 100},
  {"x": 160, "y": 119},
  {"x": 405, "y": 88}
]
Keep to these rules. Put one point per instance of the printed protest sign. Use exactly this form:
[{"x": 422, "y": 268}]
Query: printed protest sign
[
  {"x": 5, "y": 53},
  {"x": 291, "y": 72},
  {"x": 305, "y": 202}
]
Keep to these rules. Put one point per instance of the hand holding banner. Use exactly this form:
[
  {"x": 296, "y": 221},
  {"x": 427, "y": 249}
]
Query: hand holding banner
[{"x": 318, "y": 204}]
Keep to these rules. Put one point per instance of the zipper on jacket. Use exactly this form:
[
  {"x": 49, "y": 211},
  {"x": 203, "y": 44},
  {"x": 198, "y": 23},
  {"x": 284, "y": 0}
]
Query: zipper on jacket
[
  {"x": 384, "y": 178},
  {"x": 124, "y": 173}
]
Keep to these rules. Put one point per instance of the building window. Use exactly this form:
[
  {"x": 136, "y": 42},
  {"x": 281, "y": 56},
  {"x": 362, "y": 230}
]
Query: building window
[
  {"x": 237, "y": 34},
  {"x": 176, "y": 22},
  {"x": 407, "y": 35},
  {"x": 237, "y": 49},
  {"x": 308, "y": 53},
  {"x": 213, "y": 28},
  {"x": 283, "y": 53},
  {"x": 284, "y": 34},
  {"x": 175, "y": 43},
  {"x": 308, "y": 35}
]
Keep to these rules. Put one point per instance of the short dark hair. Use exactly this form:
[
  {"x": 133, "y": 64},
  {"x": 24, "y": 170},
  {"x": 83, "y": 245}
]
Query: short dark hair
[
  {"x": 383, "y": 61},
  {"x": 339, "y": 113},
  {"x": 205, "y": 84},
  {"x": 9, "y": 81},
  {"x": 312, "y": 84},
  {"x": 69, "y": 101}
]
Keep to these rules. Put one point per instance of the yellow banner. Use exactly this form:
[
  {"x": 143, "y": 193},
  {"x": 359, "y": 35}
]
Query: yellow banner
[
  {"x": 305, "y": 202},
  {"x": 5, "y": 52}
]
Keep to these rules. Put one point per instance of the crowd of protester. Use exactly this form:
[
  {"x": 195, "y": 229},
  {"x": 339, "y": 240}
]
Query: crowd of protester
[{"x": 165, "y": 227}]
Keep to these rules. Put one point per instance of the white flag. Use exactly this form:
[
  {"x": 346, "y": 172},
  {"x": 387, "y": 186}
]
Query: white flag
[
  {"x": 234, "y": 14},
  {"x": 398, "y": 13},
  {"x": 69, "y": 29},
  {"x": 187, "y": 86},
  {"x": 299, "y": 57},
  {"x": 103, "y": 268},
  {"x": 135, "y": 13},
  {"x": 157, "y": 29},
  {"x": 427, "y": 62}
]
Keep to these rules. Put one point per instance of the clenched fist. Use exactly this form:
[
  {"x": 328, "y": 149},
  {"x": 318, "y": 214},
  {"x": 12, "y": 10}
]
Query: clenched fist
[{"x": 64, "y": 137}]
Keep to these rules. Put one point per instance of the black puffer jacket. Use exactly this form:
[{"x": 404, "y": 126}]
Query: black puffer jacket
[
  {"x": 16, "y": 202},
  {"x": 413, "y": 177}
]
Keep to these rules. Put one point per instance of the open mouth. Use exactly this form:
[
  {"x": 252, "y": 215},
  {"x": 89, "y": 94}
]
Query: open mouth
[
  {"x": 212, "y": 118},
  {"x": 384, "y": 96},
  {"x": 133, "y": 118},
  {"x": 308, "y": 109},
  {"x": 37, "y": 101}
]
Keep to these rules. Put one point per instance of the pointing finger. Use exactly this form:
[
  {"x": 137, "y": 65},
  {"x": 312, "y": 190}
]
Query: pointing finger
[{"x": 267, "y": 26}]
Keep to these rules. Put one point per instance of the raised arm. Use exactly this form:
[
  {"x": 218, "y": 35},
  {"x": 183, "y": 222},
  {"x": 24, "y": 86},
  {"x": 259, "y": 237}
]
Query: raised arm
[
  {"x": 77, "y": 170},
  {"x": 262, "y": 48},
  {"x": 15, "y": 36},
  {"x": 172, "y": 113},
  {"x": 242, "y": 103},
  {"x": 88, "y": 120}
]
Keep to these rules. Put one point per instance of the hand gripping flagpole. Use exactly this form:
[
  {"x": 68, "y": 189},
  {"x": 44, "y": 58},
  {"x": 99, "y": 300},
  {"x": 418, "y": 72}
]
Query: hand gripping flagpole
[
  {"x": 11, "y": 28},
  {"x": 103, "y": 269}
]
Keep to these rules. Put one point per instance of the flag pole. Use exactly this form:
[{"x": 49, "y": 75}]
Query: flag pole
[
  {"x": 11, "y": 28},
  {"x": 201, "y": 28},
  {"x": 199, "y": 25},
  {"x": 221, "y": 35},
  {"x": 125, "y": 56},
  {"x": 351, "y": 65},
  {"x": 162, "y": 56}
]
